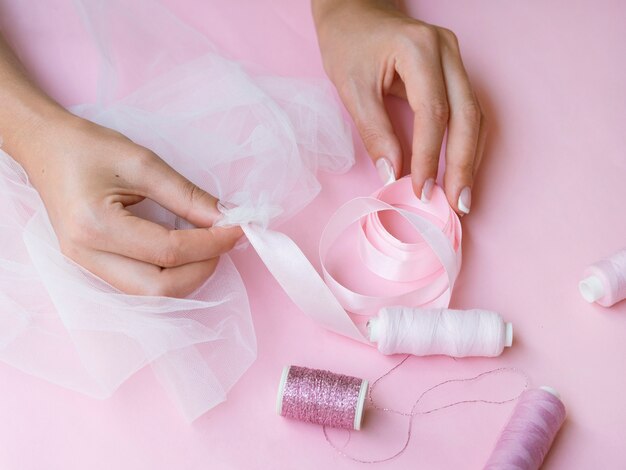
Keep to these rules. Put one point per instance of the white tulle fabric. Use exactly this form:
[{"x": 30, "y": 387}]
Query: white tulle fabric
[{"x": 253, "y": 141}]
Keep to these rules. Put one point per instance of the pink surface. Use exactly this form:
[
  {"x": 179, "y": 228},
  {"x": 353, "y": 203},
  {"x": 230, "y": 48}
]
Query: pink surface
[{"x": 549, "y": 201}]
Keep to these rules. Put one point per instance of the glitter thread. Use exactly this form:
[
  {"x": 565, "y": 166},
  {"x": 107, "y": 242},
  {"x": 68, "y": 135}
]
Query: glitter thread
[{"x": 321, "y": 397}]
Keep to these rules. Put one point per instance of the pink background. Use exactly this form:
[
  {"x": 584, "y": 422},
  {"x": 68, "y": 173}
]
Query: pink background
[{"x": 549, "y": 200}]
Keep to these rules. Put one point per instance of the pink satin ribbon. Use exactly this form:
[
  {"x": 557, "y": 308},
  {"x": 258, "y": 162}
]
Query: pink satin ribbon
[{"x": 424, "y": 269}]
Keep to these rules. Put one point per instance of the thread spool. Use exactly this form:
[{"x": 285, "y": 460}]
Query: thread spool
[
  {"x": 605, "y": 280},
  {"x": 321, "y": 397},
  {"x": 528, "y": 436},
  {"x": 424, "y": 332}
]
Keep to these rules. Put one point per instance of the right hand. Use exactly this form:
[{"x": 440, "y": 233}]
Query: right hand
[
  {"x": 372, "y": 49},
  {"x": 87, "y": 180}
]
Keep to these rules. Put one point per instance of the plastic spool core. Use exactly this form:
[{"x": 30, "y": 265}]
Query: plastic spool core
[
  {"x": 550, "y": 390},
  {"x": 591, "y": 288},
  {"x": 358, "y": 414},
  {"x": 373, "y": 329},
  {"x": 508, "y": 335},
  {"x": 281, "y": 390}
]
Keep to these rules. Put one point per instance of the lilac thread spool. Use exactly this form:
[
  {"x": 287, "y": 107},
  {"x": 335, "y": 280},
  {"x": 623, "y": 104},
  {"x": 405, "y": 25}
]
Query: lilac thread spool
[
  {"x": 321, "y": 397},
  {"x": 527, "y": 437},
  {"x": 605, "y": 280}
]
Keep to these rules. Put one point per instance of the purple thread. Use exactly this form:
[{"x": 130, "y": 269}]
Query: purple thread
[
  {"x": 527, "y": 437},
  {"x": 321, "y": 397}
]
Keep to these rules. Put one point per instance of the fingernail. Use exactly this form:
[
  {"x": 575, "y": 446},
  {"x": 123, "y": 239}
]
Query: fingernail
[
  {"x": 385, "y": 171},
  {"x": 427, "y": 190},
  {"x": 465, "y": 200}
]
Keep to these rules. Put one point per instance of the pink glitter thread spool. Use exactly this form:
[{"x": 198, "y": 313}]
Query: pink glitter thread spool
[
  {"x": 527, "y": 437},
  {"x": 321, "y": 397},
  {"x": 605, "y": 280}
]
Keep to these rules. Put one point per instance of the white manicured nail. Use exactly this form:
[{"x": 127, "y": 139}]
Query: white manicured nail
[
  {"x": 385, "y": 171},
  {"x": 465, "y": 200},
  {"x": 427, "y": 190}
]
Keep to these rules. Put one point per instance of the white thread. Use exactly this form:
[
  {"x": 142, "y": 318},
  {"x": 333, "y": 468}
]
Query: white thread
[
  {"x": 425, "y": 332},
  {"x": 605, "y": 280}
]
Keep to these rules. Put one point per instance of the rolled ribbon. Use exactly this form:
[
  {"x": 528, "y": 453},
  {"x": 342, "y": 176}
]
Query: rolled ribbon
[{"x": 424, "y": 270}]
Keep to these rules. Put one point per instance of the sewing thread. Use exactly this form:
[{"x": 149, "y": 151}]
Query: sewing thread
[
  {"x": 321, "y": 397},
  {"x": 528, "y": 436},
  {"x": 605, "y": 280},
  {"x": 425, "y": 332}
]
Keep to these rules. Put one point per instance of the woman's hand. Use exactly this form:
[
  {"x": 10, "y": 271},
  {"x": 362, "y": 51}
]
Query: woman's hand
[
  {"x": 371, "y": 49},
  {"x": 87, "y": 180},
  {"x": 88, "y": 175}
]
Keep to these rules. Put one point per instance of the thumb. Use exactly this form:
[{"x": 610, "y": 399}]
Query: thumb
[
  {"x": 367, "y": 109},
  {"x": 170, "y": 189}
]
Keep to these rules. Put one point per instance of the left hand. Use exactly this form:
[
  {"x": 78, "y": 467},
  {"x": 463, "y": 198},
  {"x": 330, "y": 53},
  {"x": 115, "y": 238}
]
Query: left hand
[{"x": 371, "y": 49}]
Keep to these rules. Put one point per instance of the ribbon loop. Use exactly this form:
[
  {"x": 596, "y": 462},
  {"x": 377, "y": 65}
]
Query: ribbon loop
[{"x": 425, "y": 268}]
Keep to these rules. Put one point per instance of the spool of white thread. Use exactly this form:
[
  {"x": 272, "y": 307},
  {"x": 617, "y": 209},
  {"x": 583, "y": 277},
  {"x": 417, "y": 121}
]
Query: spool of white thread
[
  {"x": 605, "y": 280},
  {"x": 426, "y": 332}
]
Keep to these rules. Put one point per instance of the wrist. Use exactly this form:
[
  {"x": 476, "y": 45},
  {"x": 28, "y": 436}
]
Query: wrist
[
  {"x": 27, "y": 126},
  {"x": 26, "y": 111},
  {"x": 322, "y": 9}
]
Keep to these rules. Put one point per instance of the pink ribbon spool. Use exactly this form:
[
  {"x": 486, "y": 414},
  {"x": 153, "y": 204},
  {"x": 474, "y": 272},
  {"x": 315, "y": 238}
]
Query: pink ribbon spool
[{"x": 422, "y": 271}]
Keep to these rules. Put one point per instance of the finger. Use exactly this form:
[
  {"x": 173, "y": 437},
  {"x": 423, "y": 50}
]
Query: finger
[
  {"x": 164, "y": 185},
  {"x": 152, "y": 243},
  {"x": 480, "y": 147},
  {"x": 423, "y": 79},
  {"x": 367, "y": 108},
  {"x": 463, "y": 129},
  {"x": 139, "y": 278},
  {"x": 397, "y": 88}
]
